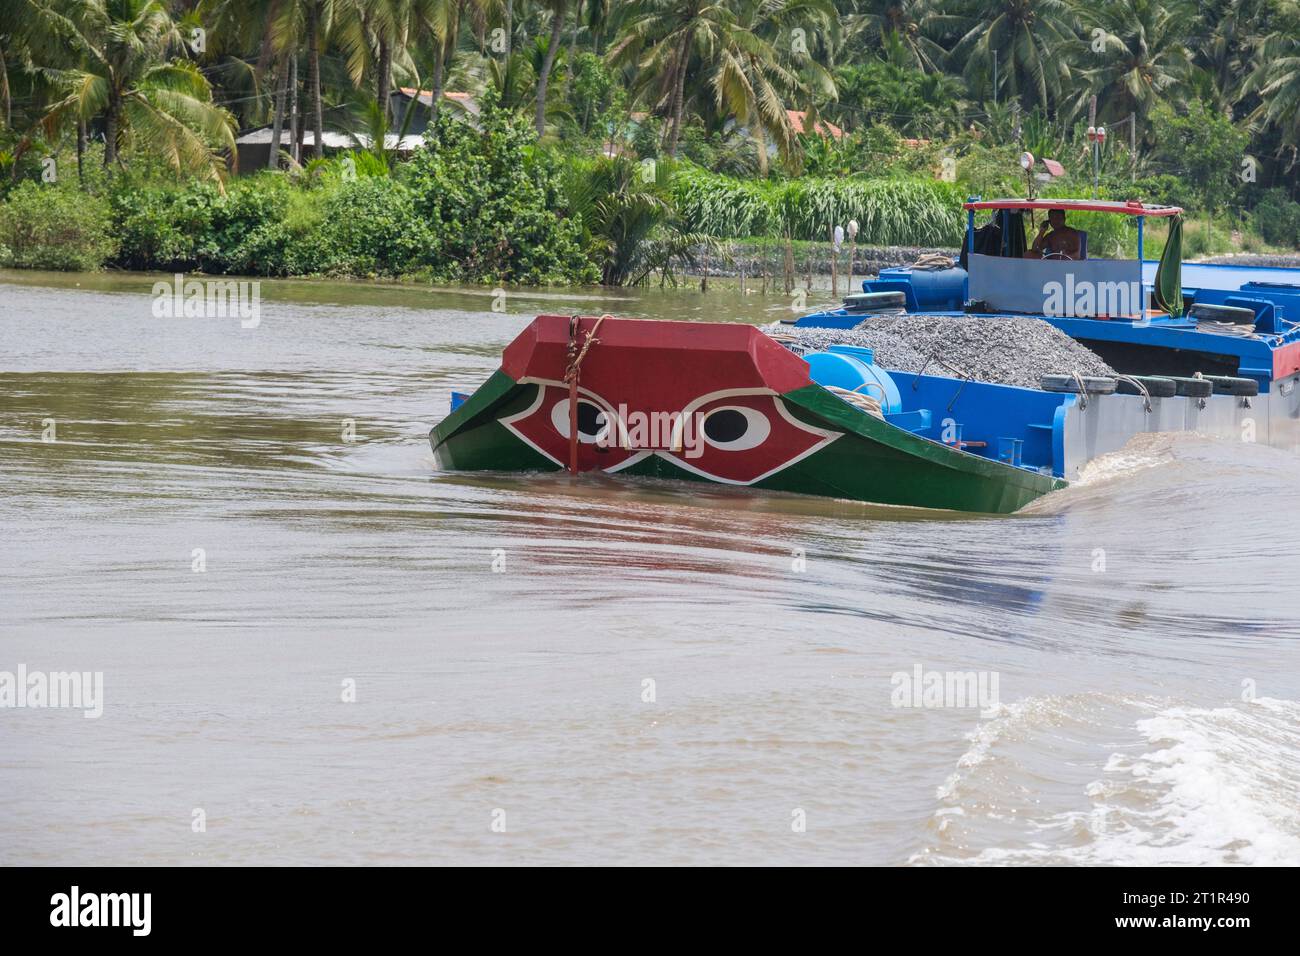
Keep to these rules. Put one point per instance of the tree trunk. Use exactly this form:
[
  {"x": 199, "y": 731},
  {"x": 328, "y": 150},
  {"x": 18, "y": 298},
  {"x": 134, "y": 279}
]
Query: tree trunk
[
  {"x": 679, "y": 93},
  {"x": 439, "y": 70},
  {"x": 510, "y": 26},
  {"x": 552, "y": 48},
  {"x": 265, "y": 50},
  {"x": 4, "y": 89},
  {"x": 81, "y": 150},
  {"x": 385, "y": 76},
  {"x": 273, "y": 159},
  {"x": 295, "y": 114},
  {"x": 313, "y": 79},
  {"x": 110, "y": 133},
  {"x": 761, "y": 139},
  {"x": 573, "y": 44}
]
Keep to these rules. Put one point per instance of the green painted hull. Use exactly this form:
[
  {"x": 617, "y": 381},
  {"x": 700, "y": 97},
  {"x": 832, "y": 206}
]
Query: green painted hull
[{"x": 871, "y": 461}]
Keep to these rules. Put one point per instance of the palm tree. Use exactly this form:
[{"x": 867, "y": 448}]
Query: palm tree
[
  {"x": 558, "y": 9},
  {"x": 1230, "y": 34},
  {"x": 1020, "y": 42},
  {"x": 630, "y": 219},
  {"x": 1143, "y": 55},
  {"x": 908, "y": 20},
  {"x": 755, "y": 78},
  {"x": 375, "y": 37},
  {"x": 660, "y": 37},
  {"x": 120, "y": 74},
  {"x": 13, "y": 49},
  {"x": 309, "y": 23},
  {"x": 441, "y": 20},
  {"x": 1277, "y": 78}
]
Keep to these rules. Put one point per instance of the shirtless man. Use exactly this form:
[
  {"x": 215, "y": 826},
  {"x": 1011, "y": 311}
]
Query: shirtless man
[{"x": 1062, "y": 239}]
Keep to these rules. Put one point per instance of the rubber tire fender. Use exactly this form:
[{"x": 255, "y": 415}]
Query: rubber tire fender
[
  {"x": 875, "y": 301},
  {"x": 1092, "y": 384},
  {"x": 1231, "y": 385},
  {"x": 1194, "y": 387},
  {"x": 1157, "y": 386},
  {"x": 1222, "y": 313}
]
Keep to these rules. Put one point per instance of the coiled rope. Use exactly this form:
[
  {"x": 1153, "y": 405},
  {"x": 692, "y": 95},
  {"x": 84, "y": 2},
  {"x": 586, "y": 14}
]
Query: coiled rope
[
  {"x": 868, "y": 403},
  {"x": 932, "y": 262}
]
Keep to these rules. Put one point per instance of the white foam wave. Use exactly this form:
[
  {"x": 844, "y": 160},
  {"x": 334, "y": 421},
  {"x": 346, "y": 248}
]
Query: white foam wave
[{"x": 1194, "y": 786}]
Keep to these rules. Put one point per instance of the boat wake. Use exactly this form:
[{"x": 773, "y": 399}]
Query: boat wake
[
  {"x": 1141, "y": 452},
  {"x": 1046, "y": 783},
  {"x": 1159, "y": 469}
]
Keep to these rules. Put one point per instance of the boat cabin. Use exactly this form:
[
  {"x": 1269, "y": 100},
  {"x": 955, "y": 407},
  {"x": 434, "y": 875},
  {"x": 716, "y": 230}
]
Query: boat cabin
[{"x": 1008, "y": 274}]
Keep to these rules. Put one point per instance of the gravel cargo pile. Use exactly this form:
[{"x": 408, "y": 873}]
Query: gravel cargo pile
[{"x": 1008, "y": 351}]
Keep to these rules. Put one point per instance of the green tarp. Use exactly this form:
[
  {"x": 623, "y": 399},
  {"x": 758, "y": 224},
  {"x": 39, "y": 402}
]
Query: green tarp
[{"x": 1168, "y": 292}]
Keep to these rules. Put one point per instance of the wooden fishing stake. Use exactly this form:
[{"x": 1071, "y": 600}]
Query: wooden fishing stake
[
  {"x": 787, "y": 266},
  {"x": 853, "y": 248},
  {"x": 835, "y": 263}
]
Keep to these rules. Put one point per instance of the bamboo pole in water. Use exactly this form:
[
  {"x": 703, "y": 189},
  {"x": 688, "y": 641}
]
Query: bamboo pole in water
[
  {"x": 853, "y": 248},
  {"x": 835, "y": 264},
  {"x": 788, "y": 265}
]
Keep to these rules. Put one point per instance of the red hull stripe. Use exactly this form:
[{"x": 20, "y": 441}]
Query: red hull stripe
[{"x": 1286, "y": 361}]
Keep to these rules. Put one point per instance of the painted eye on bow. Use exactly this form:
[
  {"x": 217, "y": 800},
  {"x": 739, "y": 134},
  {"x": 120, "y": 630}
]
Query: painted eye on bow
[
  {"x": 735, "y": 428},
  {"x": 593, "y": 422}
]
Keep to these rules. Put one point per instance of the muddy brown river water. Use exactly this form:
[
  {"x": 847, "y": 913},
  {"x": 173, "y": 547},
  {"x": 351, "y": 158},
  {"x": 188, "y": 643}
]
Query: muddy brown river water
[{"x": 324, "y": 651}]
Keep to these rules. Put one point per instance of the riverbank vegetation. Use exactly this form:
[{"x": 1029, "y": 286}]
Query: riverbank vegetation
[{"x": 579, "y": 141}]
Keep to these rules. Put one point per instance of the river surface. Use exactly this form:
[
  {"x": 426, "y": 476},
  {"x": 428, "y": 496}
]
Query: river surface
[{"x": 321, "y": 650}]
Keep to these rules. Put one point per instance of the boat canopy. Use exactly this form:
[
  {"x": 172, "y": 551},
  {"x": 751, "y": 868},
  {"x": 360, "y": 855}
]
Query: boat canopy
[{"x": 1130, "y": 208}]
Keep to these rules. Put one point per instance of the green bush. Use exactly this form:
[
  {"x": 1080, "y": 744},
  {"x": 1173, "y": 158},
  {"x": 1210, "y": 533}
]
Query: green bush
[
  {"x": 370, "y": 227},
  {"x": 489, "y": 198},
  {"x": 162, "y": 226},
  {"x": 1203, "y": 148},
  {"x": 55, "y": 227},
  {"x": 246, "y": 230},
  {"x": 1277, "y": 219}
]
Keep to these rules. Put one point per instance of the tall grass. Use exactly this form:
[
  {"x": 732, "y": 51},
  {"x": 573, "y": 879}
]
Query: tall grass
[
  {"x": 889, "y": 212},
  {"x": 724, "y": 207}
]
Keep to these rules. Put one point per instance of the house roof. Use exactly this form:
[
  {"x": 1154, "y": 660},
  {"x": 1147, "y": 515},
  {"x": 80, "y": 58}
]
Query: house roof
[
  {"x": 465, "y": 101},
  {"x": 799, "y": 120},
  {"x": 329, "y": 138}
]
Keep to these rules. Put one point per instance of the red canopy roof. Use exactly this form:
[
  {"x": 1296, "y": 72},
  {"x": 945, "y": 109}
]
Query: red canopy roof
[{"x": 1130, "y": 208}]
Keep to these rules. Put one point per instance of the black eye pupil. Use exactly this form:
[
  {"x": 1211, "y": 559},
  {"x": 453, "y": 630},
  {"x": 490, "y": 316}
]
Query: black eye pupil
[
  {"x": 590, "y": 419},
  {"x": 726, "y": 425}
]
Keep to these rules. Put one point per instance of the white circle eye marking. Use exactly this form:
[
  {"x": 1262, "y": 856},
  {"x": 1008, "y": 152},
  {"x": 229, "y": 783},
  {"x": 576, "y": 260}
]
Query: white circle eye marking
[
  {"x": 593, "y": 422},
  {"x": 735, "y": 428}
]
